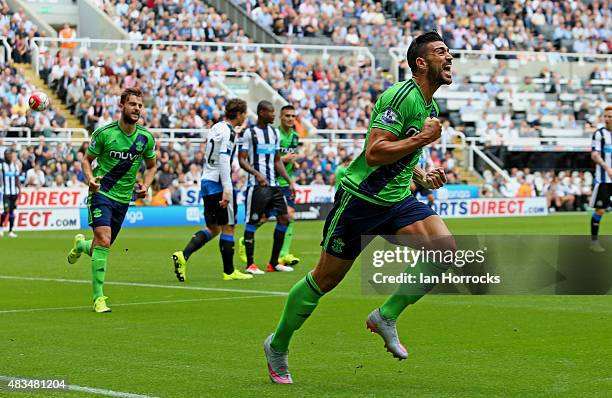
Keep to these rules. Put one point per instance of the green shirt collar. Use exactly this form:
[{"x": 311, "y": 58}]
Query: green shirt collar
[{"x": 286, "y": 134}]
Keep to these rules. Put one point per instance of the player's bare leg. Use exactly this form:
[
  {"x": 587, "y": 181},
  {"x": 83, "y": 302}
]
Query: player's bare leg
[
  {"x": 430, "y": 233},
  {"x": 302, "y": 300}
]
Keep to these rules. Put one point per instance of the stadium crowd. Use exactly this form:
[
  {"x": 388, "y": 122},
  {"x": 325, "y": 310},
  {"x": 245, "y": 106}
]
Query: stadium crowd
[
  {"x": 567, "y": 26},
  {"x": 178, "y": 92},
  {"x": 18, "y": 30},
  {"x": 14, "y": 110},
  {"x": 329, "y": 94},
  {"x": 565, "y": 190},
  {"x": 189, "y": 20}
]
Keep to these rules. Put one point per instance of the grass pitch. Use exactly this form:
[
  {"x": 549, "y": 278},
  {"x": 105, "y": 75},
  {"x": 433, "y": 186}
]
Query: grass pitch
[{"x": 197, "y": 341}]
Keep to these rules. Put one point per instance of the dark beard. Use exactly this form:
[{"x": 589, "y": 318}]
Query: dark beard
[
  {"x": 435, "y": 77},
  {"x": 127, "y": 119}
]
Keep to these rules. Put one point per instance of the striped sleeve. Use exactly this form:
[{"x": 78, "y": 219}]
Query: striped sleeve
[
  {"x": 246, "y": 140},
  {"x": 596, "y": 141}
]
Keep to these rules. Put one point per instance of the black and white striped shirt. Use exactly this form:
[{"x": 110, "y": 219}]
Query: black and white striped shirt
[
  {"x": 10, "y": 174},
  {"x": 602, "y": 143},
  {"x": 261, "y": 146}
]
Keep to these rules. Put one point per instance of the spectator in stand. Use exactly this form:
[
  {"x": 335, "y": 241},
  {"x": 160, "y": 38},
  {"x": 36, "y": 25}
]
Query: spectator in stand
[
  {"x": 35, "y": 177},
  {"x": 467, "y": 25}
]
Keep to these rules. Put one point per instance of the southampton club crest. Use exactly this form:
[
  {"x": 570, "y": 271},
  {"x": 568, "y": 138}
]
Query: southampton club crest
[
  {"x": 139, "y": 146},
  {"x": 337, "y": 245}
]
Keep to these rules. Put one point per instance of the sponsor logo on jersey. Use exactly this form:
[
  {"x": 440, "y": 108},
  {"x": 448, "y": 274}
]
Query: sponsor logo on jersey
[
  {"x": 389, "y": 117},
  {"x": 123, "y": 155},
  {"x": 266, "y": 149},
  {"x": 287, "y": 150},
  {"x": 412, "y": 131}
]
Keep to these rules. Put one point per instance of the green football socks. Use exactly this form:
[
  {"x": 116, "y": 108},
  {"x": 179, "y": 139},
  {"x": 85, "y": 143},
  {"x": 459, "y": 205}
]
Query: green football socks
[
  {"x": 396, "y": 304},
  {"x": 301, "y": 302},
  {"x": 408, "y": 294},
  {"x": 84, "y": 246},
  {"x": 98, "y": 270},
  {"x": 287, "y": 242}
]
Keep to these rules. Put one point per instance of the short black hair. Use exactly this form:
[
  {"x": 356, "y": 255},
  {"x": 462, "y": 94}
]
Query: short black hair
[
  {"x": 418, "y": 46},
  {"x": 234, "y": 107},
  {"x": 264, "y": 105},
  {"x": 288, "y": 107}
]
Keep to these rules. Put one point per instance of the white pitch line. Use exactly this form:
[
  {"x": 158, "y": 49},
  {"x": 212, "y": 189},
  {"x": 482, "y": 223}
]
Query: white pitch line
[
  {"x": 138, "y": 303},
  {"x": 89, "y": 390},
  {"x": 136, "y": 284}
]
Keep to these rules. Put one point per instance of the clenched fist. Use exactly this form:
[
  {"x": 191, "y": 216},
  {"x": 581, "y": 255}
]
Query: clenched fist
[{"x": 432, "y": 129}]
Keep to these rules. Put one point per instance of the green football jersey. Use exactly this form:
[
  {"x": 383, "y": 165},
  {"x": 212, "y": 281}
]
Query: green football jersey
[
  {"x": 402, "y": 110},
  {"x": 340, "y": 173},
  {"x": 119, "y": 157},
  {"x": 288, "y": 144}
]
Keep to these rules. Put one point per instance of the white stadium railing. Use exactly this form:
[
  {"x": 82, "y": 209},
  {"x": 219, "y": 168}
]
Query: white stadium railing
[
  {"x": 120, "y": 47},
  {"x": 26, "y": 137}
]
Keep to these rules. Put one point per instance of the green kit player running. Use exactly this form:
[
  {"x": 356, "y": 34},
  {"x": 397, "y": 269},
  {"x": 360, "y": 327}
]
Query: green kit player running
[
  {"x": 119, "y": 148},
  {"x": 374, "y": 199}
]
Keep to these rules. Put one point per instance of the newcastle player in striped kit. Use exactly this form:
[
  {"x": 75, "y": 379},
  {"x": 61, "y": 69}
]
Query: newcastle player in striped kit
[
  {"x": 601, "y": 153},
  {"x": 260, "y": 156},
  {"x": 11, "y": 188},
  {"x": 218, "y": 194}
]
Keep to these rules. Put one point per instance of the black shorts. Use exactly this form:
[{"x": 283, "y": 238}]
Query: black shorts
[
  {"x": 10, "y": 203},
  {"x": 262, "y": 200},
  {"x": 288, "y": 197},
  {"x": 351, "y": 217},
  {"x": 601, "y": 195},
  {"x": 106, "y": 212},
  {"x": 214, "y": 214}
]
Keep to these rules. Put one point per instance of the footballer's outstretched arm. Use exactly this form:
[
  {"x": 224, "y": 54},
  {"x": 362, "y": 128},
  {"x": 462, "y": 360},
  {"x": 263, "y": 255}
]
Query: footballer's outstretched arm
[{"x": 383, "y": 147}]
